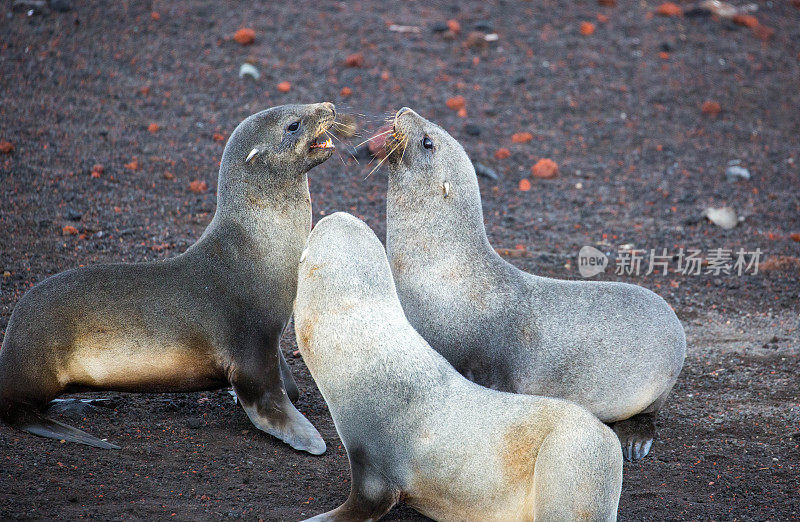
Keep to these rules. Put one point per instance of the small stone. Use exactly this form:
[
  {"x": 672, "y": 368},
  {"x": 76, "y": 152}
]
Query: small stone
[
  {"x": 763, "y": 32},
  {"x": 454, "y": 26},
  {"x": 502, "y": 153},
  {"x": 484, "y": 25},
  {"x": 607, "y": 3},
  {"x": 73, "y": 215},
  {"x": 194, "y": 423},
  {"x": 355, "y": 60},
  {"x": 587, "y": 28},
  {"x": 724, "y": 217},
  {"x": 521, "y": 137},
  {"x": 218, "y": 137},
  {"x": 61, "y": 6},
  {"x": 133, "y": 164},
  {"x": 6, "y": 274},
  {"x": 250, "y": 70},
  {"x": 69, "y": 230},
  {"x": 669, "y": 9},
  {"x": 153, "y": 128},
  {"x": 476, "y": 40},
  {"x": 519, "y": 80},
  {"x": 456, "y": 103},
  {"x": 284, "y": 87},
  {"x": 745, "y": 20},
  {"x": 245, "y": 36},
  {"x": 484, "y": 171},
  {"x": 6, "y": 147},
  {"x": 524, "y": 185},
  {"x": 711, "y": 108},
  {"x": 472, "y": 129},
  {"x": 735, "y": 172},
  {"x": 345, "y": 92},
  {"x": 198, "y": 187},
  {"x": 545, "y": 168},
  {"x": 439, "y": 27}
]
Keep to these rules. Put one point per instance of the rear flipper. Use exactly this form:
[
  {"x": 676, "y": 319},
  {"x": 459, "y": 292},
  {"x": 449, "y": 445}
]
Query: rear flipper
[
  {"x": 636, "y": 435},
  {"x": 37, "y": 424}
]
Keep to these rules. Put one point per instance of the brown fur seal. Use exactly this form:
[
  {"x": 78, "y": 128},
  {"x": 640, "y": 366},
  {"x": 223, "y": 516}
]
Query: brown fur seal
[
  {"x": 417, "y": 431},
  {"x": 208, "y": 318},
  {"x": 614, "y": 348}
]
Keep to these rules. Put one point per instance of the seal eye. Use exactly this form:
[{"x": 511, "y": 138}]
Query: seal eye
[
  {"x": 293, "y": 126},
  {"x": 427, "y": 142}
]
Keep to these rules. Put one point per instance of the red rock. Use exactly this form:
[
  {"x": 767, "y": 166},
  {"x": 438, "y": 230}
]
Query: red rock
[
  {"x": 462, "y": 112},
  {"x": 169, "y": 175},
  {"x": 6, "y": 147},
  {"x": 545, "y": 168},
  {"x": 155, "y": 15},
  {"x": 476, "y": 40},
  {"x": 669, "y": 9},
  {"x": 454, "y": 26},
  {"x": 663, "y": 55},
  {"x": 346, "y": 91},
  {"x": 153, "y": 127},
  {"x": 133, "y": 165},
  {"x": 524, "y": 185},
  {"x": 607, "y": 3},
  {"x": 456, "y": 103},
  {"x": 218, "y": 137},
  {"x": 795, "y": 236},
  {"x": 502, "y": 153},
  {"x": 198, "y": 187},
  {"x": 711, "y": 107},
  {"x": 97, "y": 170},
  {"x": 602, "y": 18},
  {"x": 355, "y": 60},
  {"x": 587, "y": 28},
  {"x": 284, "y": 87},
  {"x": 69, "y": 230},
  {"x": 245, "y": 36},
  {"x": 745, "y": 20},
  {"x": 521, "y": 137}
]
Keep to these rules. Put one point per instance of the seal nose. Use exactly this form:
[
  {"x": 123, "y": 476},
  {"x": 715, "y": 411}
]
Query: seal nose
[
  {"x": 331, "y": 107},
  {"x": 402, "y": 111}
]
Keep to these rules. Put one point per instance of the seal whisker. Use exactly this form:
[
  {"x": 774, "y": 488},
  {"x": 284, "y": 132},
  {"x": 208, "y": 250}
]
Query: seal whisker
[
  {"x": 372, "y": 138},
  {"x": 383, "y": 160}
]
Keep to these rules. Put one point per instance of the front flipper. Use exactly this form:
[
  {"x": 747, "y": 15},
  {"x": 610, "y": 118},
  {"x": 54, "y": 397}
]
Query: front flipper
[
  {"x": 281, "y": 419},
  {"x": 371, "y": 496},
  {"x": 636, "y": 435}
]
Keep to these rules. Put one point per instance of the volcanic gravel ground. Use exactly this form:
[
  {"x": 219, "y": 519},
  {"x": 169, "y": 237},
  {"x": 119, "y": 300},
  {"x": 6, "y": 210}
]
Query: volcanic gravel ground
[{"x": 619, "y": 110}]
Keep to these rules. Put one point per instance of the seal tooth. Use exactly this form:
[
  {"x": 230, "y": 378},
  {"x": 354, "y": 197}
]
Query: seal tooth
[
  {"x": 446, "y": 187},
  {"x": 253, "y": 154},
  {"x": 304, "y": 255}
]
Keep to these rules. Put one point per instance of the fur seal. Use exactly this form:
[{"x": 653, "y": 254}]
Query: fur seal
[
  {"x": 208, "y": 318},
  {"x": 614, "y": 348},
  {"x": 414, "y": 428}
]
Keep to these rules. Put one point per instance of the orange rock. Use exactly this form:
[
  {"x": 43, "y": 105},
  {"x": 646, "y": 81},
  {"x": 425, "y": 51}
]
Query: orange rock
[
  {"x": 521, "y": 137},
  {"x": 669, "y": 9},
  {"x": 6, "y": 147},
  {"x": 144, "y": 91},
  {"x": 284, "y": 87},
  {"x": 69, "y": 230},
  {"x": 133, "y": 165},
  {"x": 355, "y": 60},
  {"x": 711, "y": 107},
  {"x": 218, "y": 137},
  {"x": 97, "y": 171},
  {"x": 745, "y": 20},
  {"x": 587, "y": 28},
  {"x": 155, "y": 15},
  {"x": 545, "y": 168},
  {"x": 602, "y": 18},
  {"x": 607, "y": 3},
  {"x": 462, "y": 112},
  {"x": 245, "y": 36},
  {"x": 153, "y": 127},
  {"x": 663, "y": 55},
  {"x": 169, "y": 175},
  {"x": 524, "y": 185},
  {"x": 198, "y": 187},
  {"x": 795, "y": 236},
  {"x": 454, "y": 26},
  {"x": 502, "y": 153},
  {"x": 456, "y": 103},
  {"x": 346, "y": 91}
]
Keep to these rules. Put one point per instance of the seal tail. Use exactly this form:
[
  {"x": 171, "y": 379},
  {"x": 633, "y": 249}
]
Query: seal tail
[{"x": 34, "y": 422}]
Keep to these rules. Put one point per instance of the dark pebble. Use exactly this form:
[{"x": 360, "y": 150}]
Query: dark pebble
[
  {"x": 519, "y": 80},
  {"x": 666, "y": 47},
  {"x": 194, "y": 423},
  {"x": 472, "y": 129},
  {"x": 483, "y": 170},
  {"x": 62, "y": 6},
  {"x": 485, "y": 26},
  {"x": 73, "y": 215},
  {"x": 439, "y": 27}
]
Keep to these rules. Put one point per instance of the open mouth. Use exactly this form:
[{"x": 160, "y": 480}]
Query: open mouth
[{"x": 317, "y": 144}]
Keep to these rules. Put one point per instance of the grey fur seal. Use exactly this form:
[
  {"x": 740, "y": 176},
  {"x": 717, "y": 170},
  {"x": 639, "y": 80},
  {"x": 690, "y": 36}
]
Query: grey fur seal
[
  {"x": 415, "y": 429},
  {"x": 614, "y": 348},
  {"x": 205, "y": 319}
]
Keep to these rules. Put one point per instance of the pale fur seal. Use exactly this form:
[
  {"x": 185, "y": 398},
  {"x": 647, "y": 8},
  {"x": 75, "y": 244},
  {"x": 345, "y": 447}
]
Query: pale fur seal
[
  {"x": 414, "y": 428},
  {"x": 208, "y": 318},
  {"x": 614, "y": 348}
]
